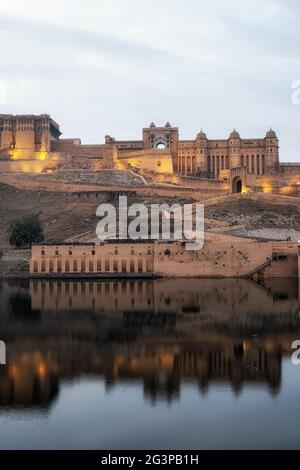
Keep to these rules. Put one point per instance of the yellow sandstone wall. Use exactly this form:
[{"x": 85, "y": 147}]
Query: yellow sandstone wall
[
  {"x": 221, "y": 256},
  {"x": 152, "y": 160}
]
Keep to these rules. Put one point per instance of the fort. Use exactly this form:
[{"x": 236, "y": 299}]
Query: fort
[
  {"x": 31, "y": 143},
  {"x": 36, "y": 161},
  {"x": 159, "y": 150}
]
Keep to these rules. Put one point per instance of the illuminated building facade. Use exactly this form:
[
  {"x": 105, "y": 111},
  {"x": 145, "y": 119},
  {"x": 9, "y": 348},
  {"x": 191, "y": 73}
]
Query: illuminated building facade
[
  {"x": 205, "y": 157},
  {"x": 27, "y": 136},
  {"x": 246, "y": 163}
]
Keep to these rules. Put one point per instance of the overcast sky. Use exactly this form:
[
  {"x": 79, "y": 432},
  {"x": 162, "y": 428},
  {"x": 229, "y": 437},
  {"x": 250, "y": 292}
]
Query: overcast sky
[{"x": 113, "y": 66}]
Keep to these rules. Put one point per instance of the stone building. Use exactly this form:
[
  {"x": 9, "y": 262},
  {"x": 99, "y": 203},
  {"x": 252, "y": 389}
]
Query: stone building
[
  {"x": 27, "y": 136},
  {"x": 244, "y": 163},
  {"x": 205, "y": 157},
  {"x": 30, "y": 137},
  {"x": 219, "y": 257}
]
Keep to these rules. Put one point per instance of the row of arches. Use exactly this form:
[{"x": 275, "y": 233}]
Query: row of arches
[
  {"x": 186, "y": 165},
  {"x": 217, "y": 163},
  {"x": 255, "y": 164}
]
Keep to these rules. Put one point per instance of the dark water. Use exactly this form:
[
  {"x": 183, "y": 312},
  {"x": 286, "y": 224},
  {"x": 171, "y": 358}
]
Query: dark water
[{"x": 195, "y": 364}]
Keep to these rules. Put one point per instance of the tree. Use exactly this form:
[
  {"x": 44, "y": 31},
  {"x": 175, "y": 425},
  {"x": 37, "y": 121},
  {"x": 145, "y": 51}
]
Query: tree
[{"x": 24, "y": 232}]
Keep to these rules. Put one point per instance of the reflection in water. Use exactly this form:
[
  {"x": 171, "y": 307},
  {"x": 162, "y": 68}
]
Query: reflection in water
[{"x": 160, "y": 333}]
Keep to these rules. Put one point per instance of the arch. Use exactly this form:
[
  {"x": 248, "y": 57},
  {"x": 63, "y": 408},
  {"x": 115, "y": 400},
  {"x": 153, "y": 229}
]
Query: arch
[
  {"x": 193, "y": 164},
  {"x": 160, "y": 145},
  {"x": 237, "y": 185},
  {"x": 188, "y": 164},
  {"x": 160, "y": 142},
  {"x": 183, "y": 165}
]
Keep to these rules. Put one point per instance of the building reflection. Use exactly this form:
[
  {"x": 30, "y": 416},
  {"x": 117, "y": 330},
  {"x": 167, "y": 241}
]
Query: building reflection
[{"x": 158, "y": 334}]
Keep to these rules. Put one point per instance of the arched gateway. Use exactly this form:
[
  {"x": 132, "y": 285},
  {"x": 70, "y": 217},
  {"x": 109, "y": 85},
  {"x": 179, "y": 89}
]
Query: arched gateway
[{"x": 237, "y": 184}]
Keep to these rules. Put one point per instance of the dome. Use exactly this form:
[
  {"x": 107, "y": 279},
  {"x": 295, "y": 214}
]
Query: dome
[
  {"x": 201, "y": 135},
  {"x": 152, "y": 124},
  {"x": 234, "y": 135},
  {"x": 168, "y": 124},
  {"x": 271, "y": 134}
]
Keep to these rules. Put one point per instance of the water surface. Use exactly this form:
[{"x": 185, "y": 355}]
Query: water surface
[{"x": 194, "y": 364}]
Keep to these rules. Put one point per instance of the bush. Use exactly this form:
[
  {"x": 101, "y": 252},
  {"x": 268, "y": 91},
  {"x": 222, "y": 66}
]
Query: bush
[{"x": 23, "y": 233}]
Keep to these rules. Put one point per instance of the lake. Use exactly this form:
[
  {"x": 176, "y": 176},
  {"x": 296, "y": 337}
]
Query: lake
[{"x": 156, "y": 364}]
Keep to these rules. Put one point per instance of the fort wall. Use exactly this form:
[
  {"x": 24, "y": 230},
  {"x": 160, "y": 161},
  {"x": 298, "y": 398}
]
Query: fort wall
[
  {"x": 152, "y": 160},
  {"x": 221, "y": 256}
]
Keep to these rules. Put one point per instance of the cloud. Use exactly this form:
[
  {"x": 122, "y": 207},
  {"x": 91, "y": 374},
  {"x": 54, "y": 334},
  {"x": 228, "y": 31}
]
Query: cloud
[{"x": 112, "y": 67}]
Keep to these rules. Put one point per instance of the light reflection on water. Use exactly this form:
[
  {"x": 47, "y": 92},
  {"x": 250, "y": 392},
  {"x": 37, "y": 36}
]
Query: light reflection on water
[{"x": 149, "y": 364}]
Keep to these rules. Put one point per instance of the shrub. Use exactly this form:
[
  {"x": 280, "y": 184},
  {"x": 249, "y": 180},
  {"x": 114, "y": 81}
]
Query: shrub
[{"x": 23, "y": 233}]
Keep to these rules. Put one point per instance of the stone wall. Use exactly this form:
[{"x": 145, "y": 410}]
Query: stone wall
[
  {"x": 220, "y": 257},
  {"x": 151, "y": 160},
  {"x": 287, "y": 184},
  {"x": 87, "y": 260}
]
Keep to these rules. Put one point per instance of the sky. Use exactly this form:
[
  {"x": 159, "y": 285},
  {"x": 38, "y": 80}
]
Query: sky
[{"x": 113, "y": 66}]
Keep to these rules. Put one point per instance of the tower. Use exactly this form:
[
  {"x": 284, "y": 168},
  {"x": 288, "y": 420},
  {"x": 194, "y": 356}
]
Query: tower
[
  {"x": 272, "y": 153},
  {"x": 201, "y": 153},
  {"x": 45, "y": 133},
  {"x": 165, "y": 137},
  {"x": 234, "y": 149},
  {"x": 6, "y": 132}
]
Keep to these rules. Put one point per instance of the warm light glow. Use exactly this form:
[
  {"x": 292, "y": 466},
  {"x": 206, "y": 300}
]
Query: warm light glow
[
  {"x": 41, "y": 155},
  {"x": 41, "y": 370},
  {"x": 13, "y": 371},
  {"x": 21, "y": 154},
  {"x": 286, "y": 190},
  {"x": 31, "y": 167},
  {"x": 120, "y": 165},
  {"x": 267, "y": 187}
]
